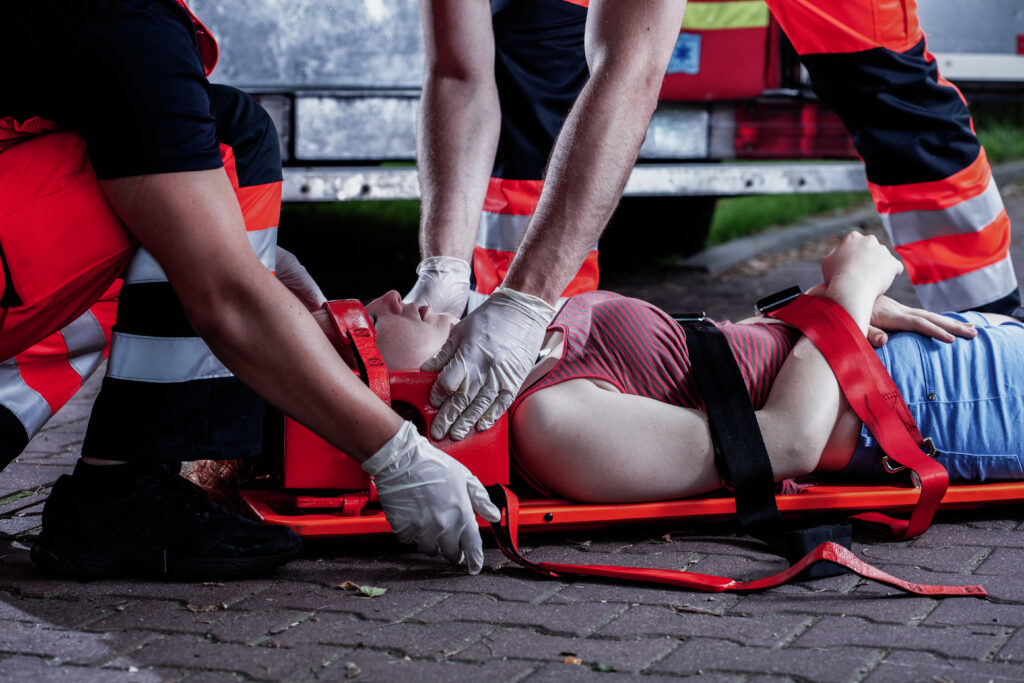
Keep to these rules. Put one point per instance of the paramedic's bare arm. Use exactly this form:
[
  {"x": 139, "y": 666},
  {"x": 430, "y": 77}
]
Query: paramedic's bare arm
[
  {"x": 459, "y": 119},
  {"x": 628, "y": 45},
  {"x": 192, "y": 225}
]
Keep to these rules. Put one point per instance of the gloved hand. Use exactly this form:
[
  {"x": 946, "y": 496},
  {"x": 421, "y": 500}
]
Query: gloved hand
[
  {"x": 296, "y": 278},
  {"x": 443, "y": 284},
  {"x": 429, "y": 498},
  {"x": 485, "y": 360}
]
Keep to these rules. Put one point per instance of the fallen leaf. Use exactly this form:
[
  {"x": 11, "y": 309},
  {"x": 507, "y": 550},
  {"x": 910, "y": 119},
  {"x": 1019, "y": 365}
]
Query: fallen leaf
[
  {"x": 604, "y": 668},
  {"x": 582, "y": 543},
  {"x": 695, "y": 610},
  {"x": 351, "y": 670},
  {"x": 372, "y": 591},
  {"x": 348, "y": 586},
  {"x": 573, "y": 660},
  {"x": 202, "y": 608}
]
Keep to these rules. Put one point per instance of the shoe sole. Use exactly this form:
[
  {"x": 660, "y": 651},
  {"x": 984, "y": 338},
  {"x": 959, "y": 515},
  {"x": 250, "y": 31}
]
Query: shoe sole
[{"x": 89, "y": 562}]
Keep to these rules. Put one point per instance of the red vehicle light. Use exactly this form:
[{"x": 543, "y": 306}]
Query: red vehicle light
[{"x": 788, "y": 130}]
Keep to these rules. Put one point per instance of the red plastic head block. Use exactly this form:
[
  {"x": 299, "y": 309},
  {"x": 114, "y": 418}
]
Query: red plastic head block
[{"x": 311, "y": 463}]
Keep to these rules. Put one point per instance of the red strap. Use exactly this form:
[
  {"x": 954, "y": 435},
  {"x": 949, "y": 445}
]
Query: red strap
[
  {"x": 872, "y": 394},
  {"x": 350, "y": 319},
  {"x": 507, "y": 531}
]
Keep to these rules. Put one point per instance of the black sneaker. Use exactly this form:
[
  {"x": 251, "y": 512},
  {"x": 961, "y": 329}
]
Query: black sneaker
[{"x": 148, "y": 521}]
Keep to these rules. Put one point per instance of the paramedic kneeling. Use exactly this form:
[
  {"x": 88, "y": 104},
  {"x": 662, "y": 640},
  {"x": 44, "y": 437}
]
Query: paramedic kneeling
[{"x": 108, "y": 122}]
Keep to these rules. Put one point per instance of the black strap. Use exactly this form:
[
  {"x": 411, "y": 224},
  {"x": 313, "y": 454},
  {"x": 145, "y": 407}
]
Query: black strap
[{"x": 740, "y": 453}]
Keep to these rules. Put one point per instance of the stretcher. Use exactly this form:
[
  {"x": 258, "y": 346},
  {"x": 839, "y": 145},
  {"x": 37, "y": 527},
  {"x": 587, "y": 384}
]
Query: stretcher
[{"x": 324, "y": 494}]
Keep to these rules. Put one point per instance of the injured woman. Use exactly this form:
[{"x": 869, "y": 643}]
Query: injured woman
[{"x": 611, "y": 412}]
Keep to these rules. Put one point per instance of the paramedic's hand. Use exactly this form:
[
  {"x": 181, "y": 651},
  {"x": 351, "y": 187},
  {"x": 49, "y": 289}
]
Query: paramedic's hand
[
  {"x": 891, "y": 315},
  {"x": 485, "y": 360},
  {"x": 296, "y": 278},
  {"x": 860, "y": 266},
  {"x": 429, "y": 498},
  {"x": 443, "y": 285}
]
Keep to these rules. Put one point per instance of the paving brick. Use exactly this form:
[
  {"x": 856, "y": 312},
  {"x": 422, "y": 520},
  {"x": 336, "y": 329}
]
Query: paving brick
[
  {"x": 954, "y": 641},
  {"x": 202, "y": 593},
  {"x": 594, "y": 591},
  {"x": 982, "y": 612},
  {"x": 1013, "y": 649},
  {"x": 407, "y": 638},
  {"x": 196, "y": 652},
  {"x": 560, "y": 672},
  {"x": 25, "y": 668},
  {"x": 333, "y": 568},
  {"x": 363, "y": 665},
  {"x": 578, "y": 619},
  {"x": 228, "y": 625},
  {"x": 573, "y": 555},
  {"x": 881, "y": 608},
  {"x": 67, "y": 645},
  {"x": 515, "y": 583},
  {"x": 955, "y": 559},
  {"x": 395, "y": 604},
  {"x": 647, "y": 621},
  {"x": 516, "y": 643},
  {"x": 1002, "y": 561},
  {"x": 20, "y": 524},
  {"x": 921, "y": 666},
  {"x": 60, "y": 612},
  {"x": 948, "y": 535},
  {"x": 700, "y": 655}
]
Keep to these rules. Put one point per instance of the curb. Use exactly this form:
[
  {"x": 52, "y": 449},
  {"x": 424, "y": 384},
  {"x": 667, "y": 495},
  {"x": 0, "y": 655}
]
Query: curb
[{"x": 724, "y": 256}]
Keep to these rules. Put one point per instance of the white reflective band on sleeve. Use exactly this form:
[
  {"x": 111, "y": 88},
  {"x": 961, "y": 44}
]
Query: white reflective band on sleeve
[
  {"x": 85, "y": 341},
  {"x": 162, "y": 360},
  {"x": 970, "y": 290},
  {"x": 144, "y": 268},
  {"x": 501, "y": 232},
  {"x": 968, "y": 216},
  {"x": 27, "y": 404}
]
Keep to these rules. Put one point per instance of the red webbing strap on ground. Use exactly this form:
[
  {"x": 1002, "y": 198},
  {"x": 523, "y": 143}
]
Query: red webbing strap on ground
[
  {"x": 872, "y": 394},
  {"x": 350, "y": 319},
  {"x": 507, "y": 532}
]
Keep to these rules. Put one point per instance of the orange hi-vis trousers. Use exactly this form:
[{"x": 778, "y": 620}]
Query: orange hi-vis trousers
[{"x": 868, "y": 61}]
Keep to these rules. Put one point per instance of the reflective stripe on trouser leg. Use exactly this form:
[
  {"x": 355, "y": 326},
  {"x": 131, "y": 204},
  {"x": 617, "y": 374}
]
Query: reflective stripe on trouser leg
[
  {"x": 540, "y": 68},
  {"x": 166, "y": 396},
  {"x": 928, "y": 175},
  {"x": 506, "y": 214},
  {"x": 37, "y": 383}
]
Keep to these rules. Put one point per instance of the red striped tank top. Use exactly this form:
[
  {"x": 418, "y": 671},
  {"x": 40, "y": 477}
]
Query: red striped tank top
[{"x": 641, "y": 351}]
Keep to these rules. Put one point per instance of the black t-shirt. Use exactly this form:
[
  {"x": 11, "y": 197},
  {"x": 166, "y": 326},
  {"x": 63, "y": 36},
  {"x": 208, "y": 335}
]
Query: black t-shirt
[{"x": 127, "y": 74}]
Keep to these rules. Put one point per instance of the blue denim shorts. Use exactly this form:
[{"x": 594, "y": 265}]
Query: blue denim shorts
[{"x": 967, "y": 396}]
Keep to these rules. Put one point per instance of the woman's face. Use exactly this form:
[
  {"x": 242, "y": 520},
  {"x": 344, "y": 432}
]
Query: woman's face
[{"x": 407, "y": 334}]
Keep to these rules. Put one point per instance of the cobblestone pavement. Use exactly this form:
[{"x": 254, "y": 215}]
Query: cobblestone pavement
[{"x": 434, "y": 623}]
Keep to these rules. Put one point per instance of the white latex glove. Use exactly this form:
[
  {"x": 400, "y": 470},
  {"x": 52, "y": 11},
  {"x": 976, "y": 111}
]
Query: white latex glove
[
  {"x": 485, "y": 360},
  {"x": 443, "y": 284},
  {"x": 429, "y": 498},
  {"x": 296, "y": 278}
]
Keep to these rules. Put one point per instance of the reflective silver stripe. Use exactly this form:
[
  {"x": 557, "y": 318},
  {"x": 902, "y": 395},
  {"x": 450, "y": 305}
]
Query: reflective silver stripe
[
  {"x": 162, "y": 360},
  {"x": 144, "y": 268},
  {"x": 475, "y": 299},
  {"x": 501, "y": 232},
  {"x": 968, "y": 216},
  {"x": 969, "y": 290},
  {"x": 85, "y": 341},
  {"x": 27, "y": 404}
]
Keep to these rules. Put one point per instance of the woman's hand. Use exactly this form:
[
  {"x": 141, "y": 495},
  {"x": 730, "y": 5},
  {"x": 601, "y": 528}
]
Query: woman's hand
[
  {"x": 860, "y": 266},
  {"x": 891, "y": 315}
]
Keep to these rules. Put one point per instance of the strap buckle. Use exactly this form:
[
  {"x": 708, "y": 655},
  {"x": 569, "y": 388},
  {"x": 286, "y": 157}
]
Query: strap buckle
[
  {"x": 683, "y": 318},
  {"x": 777, "y": 300},
  {"x": 892, "y": 467}
]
